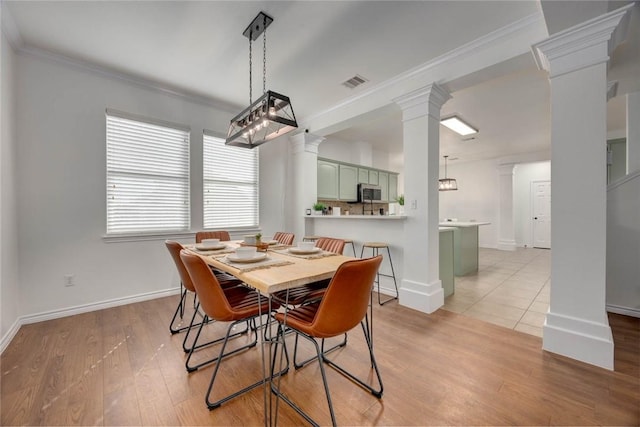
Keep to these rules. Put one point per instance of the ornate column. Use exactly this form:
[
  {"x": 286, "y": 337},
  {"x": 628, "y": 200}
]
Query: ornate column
[
  {"x": 421, "y": 288},
  {"x": 305, "y": 177},
  {"x": 506, "y": 228},
  {"x": 576, "y": 324}
]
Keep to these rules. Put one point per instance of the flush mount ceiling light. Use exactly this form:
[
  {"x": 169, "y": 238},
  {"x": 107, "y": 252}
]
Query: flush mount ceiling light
[
  {"x": 447, "y": 184},
  {"x": 457, "y": 125},
  {"x": 271, "y": 115}
]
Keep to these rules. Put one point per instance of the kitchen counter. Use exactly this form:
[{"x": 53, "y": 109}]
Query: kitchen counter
[
  {"x": 462, "y": 223},
  {"x": 368, "y": 217},
  {"x": 465, "y": 245}
]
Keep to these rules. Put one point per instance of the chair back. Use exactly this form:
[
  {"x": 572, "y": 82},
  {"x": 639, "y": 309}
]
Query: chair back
[
  {"x": 346, "y": 300},
  {"x": 174, "y": 250},
  {"x": 219, "y": 234},
  {"x": 284, "y": 238},
  {"x": 210, "y": 294},
  {"x": 330, "y": 244}
]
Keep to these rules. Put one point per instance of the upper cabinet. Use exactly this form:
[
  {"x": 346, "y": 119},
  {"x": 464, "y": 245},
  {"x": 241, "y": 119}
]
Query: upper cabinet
[
  {"x": 328, "y": 173},
  {"x": 339, "y": 181}
]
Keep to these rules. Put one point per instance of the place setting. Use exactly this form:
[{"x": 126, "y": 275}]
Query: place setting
[
  {"x": 212, "y": 247},
  {"x": 305, "y": 250},
  {"x": 247, "y": 258}
]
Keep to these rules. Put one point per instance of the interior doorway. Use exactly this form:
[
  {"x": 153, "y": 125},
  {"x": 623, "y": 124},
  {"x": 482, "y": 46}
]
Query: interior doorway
[{"x": 541, "y": 214}]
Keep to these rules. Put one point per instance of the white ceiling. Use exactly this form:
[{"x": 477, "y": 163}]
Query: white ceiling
[{"x": 312, "y": 47}]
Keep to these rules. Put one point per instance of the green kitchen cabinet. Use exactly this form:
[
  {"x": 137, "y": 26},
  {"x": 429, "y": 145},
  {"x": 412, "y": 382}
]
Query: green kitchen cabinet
[
  {"x": 393, "y": 187},
  {"x": 348, "y": 183},
  {"x": 363, "y": 176},
  {"x": 383, "y": 182},
  {"x": 328, "y": 178},
  {"x": 446, "y": 261},
  {"x": 373, "y": 177}
]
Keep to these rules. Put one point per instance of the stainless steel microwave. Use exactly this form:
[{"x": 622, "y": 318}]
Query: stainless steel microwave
[{"x": 369, "y": 193}]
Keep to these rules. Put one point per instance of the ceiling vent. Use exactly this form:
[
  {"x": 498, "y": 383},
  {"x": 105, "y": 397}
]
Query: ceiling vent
[{"x": 355, "y": 81}]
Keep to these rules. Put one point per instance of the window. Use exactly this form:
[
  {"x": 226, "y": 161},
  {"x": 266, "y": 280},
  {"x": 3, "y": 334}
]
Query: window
[
  {"x": 147, "y": 175},
  {"x": 230, "y": 185}
]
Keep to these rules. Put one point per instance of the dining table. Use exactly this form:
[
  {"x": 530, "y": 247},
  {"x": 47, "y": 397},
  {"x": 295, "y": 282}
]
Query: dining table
[{"x": 275, "y": 268}]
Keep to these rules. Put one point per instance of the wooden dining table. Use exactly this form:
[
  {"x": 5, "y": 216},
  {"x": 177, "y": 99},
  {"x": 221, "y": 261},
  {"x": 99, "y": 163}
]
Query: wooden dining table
[{"x": 281, "y": 269}]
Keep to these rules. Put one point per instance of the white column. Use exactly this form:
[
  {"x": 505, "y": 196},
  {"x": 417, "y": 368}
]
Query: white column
[
  {"x": 633, "y": 132},
  {"x": 576, "y": 324},
  {"x": 305, "y": 177},
  {"x": 421, "y": 288},
  {"x": 506, "y": 228}
]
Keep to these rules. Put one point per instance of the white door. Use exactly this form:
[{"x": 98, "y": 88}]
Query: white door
[{"x": 541, "y": 213}]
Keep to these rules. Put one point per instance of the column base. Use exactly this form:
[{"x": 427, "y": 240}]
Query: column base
[
  {"x": 506, "y": 245},
  {"x": 424, "y": 297},
  {"x": 579, "y": 339}
]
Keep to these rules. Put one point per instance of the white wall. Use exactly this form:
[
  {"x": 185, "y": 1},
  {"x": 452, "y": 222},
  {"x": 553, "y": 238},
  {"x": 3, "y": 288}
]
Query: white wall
[
  {"x": 60, "y": 125},
  {"x": 623, "y": 246},
  {"x": 276, "y": 202},
  {"x": 523, "y": 176},
  {"x": 9, "y": 290},
  {"x": 477, "y": 197}
]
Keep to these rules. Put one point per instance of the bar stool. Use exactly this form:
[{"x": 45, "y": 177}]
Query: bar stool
[
  {"x": 375, "y": 248},
  {"x": 353, "y": 246}
]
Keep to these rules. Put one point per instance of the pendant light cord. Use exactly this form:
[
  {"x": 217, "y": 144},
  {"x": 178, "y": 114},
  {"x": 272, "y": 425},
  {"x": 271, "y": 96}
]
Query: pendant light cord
[
  {"x": 264, "y": 56},
  {"x": 250, "y": 76}
]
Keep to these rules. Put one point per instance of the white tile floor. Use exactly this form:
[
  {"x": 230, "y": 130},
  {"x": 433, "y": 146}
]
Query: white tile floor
[{"x": 510, "y": 289}]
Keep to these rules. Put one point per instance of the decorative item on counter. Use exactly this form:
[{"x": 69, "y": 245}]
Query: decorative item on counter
[
  {"x": 318, "y": 208},
  {"x": 308, "y": 211},
  {"x": 336, "y": 211},
  {"x": 258, "y": 239},
  {"x": 400, "y": 200}
]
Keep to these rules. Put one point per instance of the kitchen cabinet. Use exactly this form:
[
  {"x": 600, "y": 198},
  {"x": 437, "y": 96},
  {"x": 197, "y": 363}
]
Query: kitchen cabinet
[
  {"x": 348, "y": 183},
  {"x": 363, "y": 176},
  {"x": 393, "y": 187},
  {"x": 383, "y": 182},
  {"x": 373, "y": 177},
  {"x": 328, "y": 178},
  {"x": 446, "y": 261}
]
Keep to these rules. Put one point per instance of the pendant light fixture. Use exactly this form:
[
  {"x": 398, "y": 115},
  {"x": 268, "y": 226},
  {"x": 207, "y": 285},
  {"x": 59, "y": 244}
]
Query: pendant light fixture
[
  {"x": 271, "y": 115},
  {"x": 447, "y": 184}
]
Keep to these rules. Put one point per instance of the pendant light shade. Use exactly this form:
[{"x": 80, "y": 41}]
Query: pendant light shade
[
  {"x": 447, "y": 184},
  {"x": 271, "y": 115}
]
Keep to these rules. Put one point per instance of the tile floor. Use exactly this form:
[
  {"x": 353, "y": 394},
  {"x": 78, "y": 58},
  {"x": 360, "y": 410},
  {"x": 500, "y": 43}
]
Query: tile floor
[{"x": 510, "y": 289}]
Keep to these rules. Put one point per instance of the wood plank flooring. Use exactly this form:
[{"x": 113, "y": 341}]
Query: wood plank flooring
[{"x": 121, "y": 366}]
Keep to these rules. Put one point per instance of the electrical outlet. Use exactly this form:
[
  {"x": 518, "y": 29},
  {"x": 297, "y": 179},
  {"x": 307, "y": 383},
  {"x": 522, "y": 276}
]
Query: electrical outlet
[
  {"x": 69, "y": 279},
  {"x": 414, "y": 204}
]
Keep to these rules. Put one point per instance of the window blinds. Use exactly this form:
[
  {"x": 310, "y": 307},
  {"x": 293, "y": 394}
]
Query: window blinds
[
  {"x": 147, "y": 176},
  {"x": 230, "y": 185}
]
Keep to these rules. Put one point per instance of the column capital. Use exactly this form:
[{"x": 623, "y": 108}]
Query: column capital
[
  {"x": 427, "y": 100},
  {"x": 506, "y": 169},
  {"x": 583, "y": 45},
  {"x": 306, "y": 142}
]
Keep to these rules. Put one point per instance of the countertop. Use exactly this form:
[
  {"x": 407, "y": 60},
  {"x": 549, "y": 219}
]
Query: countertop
[
  {"x": 366, "y": 217},
  {"x": 463, "y": 223}
]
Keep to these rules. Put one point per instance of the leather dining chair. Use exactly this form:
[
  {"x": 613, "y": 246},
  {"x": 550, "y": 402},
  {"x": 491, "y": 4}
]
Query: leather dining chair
[
  {"x": 343, "y": 306},
  {"x": 236, "y": 305},
  {"x": 223, "y": 235},
  {"x": 284, "y": 238},
  {"x": 226, "y": 282}
]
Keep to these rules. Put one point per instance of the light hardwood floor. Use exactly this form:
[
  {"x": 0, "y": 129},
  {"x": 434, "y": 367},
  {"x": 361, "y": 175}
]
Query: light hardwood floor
[{"x": 121, "y": 366}]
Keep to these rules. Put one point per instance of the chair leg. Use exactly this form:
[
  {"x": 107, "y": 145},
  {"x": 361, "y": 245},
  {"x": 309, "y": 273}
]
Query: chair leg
[
  {"x": 213, "y": 405},
  {"x": 179, "y": 309},
  {"x": 196, "y": 346},
  {"x": 304, "y": 363},
  {"x": 376, "y": 392},
  {"x": 289, "y": 402}
]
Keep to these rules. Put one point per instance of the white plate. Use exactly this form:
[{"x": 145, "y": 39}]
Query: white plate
[
  {"x": 211, "y": 248},
  {"x": 299, "y": 251},
  {"x": 259, "y": 256},
  {"x": 271, "y": 242}
]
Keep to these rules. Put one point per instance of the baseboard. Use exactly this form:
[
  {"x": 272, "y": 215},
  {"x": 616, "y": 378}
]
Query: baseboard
[
  {"x": 633, "y": 312},
  {"x": 11, "y": 333},
  {"x": 423, "y": 297},
  {"x": 79, "y": 309}
]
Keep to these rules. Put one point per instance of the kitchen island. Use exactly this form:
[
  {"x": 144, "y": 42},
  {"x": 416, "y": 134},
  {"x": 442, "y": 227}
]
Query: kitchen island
[{"x": 465, "y": 245}]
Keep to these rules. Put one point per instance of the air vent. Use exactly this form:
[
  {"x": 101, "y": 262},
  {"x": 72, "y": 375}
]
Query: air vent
[{"x": 355, "y": 81}]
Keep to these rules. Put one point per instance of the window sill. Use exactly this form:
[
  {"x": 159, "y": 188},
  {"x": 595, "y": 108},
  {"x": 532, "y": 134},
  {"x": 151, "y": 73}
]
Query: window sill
[{"x": 236, "y": 234}]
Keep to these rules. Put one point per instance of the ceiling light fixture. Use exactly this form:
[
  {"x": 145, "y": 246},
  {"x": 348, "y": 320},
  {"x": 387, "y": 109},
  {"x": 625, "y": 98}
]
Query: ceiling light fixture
[
  {"x": 457, "y": 125},
  {"x": 271, "y": 115},
  {"x": 447, "y": 184}
]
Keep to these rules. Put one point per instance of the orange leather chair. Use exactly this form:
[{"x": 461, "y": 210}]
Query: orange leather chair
[
  {"x": 219, "y": 234},
  {"x": 284, "y": 238},
  {"x": 227, "y": 282},
  {"x": 342, "y": 307},
  {"x": 236, "y": 305}
]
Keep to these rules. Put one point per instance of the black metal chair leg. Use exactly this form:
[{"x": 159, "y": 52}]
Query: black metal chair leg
[
  {"x": 304, "y": 363},
  {"x": 179, "y": 309}
]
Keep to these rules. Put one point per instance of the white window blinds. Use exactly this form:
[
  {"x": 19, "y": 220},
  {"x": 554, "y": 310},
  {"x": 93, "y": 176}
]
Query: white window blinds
[
  {"x": 147, "y": 176},
  {"x": 230, "y": 185}
]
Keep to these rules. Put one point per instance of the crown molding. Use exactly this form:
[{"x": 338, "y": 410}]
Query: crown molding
[
  {"x": 9, "y": 28},
  {"x": 131, "y": 79},
  {"x": 583, "y": 45},
  {"x": 504, "y": 33},
  {"x": 424, "y": 101}
]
